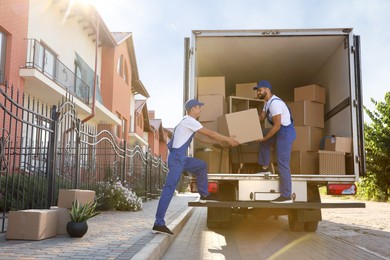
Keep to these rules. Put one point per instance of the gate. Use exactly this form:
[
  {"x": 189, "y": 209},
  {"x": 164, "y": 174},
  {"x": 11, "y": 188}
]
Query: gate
[
  {"x": 25, "y": 134},
  {"x": 43, "y": 150}
]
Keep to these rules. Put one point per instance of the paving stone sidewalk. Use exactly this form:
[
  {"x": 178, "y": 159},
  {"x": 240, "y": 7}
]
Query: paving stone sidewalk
[{"x": 111, "y": 235}]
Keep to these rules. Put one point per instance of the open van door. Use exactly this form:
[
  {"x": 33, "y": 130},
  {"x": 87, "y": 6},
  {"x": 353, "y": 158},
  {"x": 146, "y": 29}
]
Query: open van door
[{"x": 359, "y": 105}]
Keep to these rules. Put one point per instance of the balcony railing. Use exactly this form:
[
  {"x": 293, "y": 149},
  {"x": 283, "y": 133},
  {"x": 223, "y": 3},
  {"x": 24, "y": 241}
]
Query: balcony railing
[{"x": 44, "y": 60}]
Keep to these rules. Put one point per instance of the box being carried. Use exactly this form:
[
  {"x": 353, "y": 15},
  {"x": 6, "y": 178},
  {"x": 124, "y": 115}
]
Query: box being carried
[
  {"x": 66, "y": 197},
  {"x": 244, "y": 125}
]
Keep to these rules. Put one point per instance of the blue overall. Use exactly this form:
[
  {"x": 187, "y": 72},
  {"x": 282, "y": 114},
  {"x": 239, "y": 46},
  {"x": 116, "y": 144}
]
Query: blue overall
[
  {"x": 283, "y": 139},
  {"x": 178, "y": 162}
]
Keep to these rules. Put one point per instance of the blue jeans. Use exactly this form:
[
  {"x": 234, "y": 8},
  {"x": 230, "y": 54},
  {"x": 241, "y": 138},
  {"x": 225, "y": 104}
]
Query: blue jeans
[
  {"x": 178, "y": 163},
  {"x": 283, "y": 141}
]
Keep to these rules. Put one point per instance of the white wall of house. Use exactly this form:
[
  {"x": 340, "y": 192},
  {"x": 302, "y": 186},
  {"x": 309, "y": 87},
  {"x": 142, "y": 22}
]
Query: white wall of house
[{"x": 65, "y": 36}]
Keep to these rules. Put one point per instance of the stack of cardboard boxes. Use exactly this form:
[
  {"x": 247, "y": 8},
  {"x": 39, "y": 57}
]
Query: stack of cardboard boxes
[
  {"x": 337, "y": 152},
  {"x": 211, "y": 92},
  {"x": 243, "y": 124},
  {"x": 38, "y": 224},
  {"x": 308, "y": 113}
]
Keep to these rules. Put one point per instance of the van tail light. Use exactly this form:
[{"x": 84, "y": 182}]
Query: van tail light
[
  {"x": 212, "y": 187},
  {"x": 341, "y": 189}
]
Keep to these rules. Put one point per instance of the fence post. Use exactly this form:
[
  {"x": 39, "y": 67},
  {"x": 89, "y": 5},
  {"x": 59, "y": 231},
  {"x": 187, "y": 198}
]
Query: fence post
[
  {"x": 77, "y": 163},
  {"x": 124, "y": 161},
  {"x": 146, "y": 173},
  {"x": 159, "y": 173},
  {"x": 51, "y": 157}
]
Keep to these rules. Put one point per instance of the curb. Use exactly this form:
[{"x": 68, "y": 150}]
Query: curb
[{"x": 156, "y": 248}]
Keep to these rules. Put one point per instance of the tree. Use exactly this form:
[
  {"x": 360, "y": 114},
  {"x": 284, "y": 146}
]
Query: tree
[{"x": 377, "y": 143}]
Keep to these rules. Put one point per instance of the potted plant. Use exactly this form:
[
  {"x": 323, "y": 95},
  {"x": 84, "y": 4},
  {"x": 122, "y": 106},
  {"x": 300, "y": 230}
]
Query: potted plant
[{"x": 79, "y": 214}]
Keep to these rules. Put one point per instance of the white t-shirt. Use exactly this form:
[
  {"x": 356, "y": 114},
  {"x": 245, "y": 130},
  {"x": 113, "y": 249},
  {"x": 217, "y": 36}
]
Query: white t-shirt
[
  {"x": 184, "y": 130},
  {"x": 278, "y": 107}
]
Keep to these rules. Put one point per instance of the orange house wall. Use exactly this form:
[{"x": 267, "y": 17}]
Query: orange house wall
[
  {"x": 14, "y": 22},
  {"x": 116, "y": 93}
]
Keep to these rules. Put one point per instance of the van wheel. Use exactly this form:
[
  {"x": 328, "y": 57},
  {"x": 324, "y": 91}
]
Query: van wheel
[
  {"x": 293, "y": 222},
  {"x": 311, "y": 226}
]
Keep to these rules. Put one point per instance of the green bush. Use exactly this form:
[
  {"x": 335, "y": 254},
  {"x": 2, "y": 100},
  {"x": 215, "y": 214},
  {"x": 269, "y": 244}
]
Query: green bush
[{"x": 23, "y": 191}]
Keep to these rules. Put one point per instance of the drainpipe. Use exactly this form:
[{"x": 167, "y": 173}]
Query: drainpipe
[{"x": 95, "y": 78}]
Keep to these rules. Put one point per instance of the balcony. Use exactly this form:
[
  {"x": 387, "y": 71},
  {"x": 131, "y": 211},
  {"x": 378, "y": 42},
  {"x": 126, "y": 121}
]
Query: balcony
[{"x": 49, "y": 79}]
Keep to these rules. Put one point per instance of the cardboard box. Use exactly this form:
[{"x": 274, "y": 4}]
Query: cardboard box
[
  {"x": 307, "y": 113},
  {"x": 311, "y": 93},
  {"x": 308, "y": 138},
  {"x": 339, "y": 144},
  {"x": 331, "y": 162},
  {"x": 66, "y": 197},
  {"x": 32, "y": 224},
  {"x": 304, "y": 162},
  {"x": 63, "y": 217},
  {"x": 246, "y": 90},
  {"x": 217, "y": 161},
  {"x": 244, "y": 125},
  {"x": 214, "y": 107},
  {"x": 211, "y": 86}
]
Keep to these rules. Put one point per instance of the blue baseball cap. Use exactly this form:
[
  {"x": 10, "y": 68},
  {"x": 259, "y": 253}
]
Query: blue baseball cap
[
  {"x": 193, "y": 102},
  {"x": 263, "y": 84}
]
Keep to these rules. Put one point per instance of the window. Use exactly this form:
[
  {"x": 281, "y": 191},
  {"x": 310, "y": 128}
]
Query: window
[
  {"x": 123, "y": 69},
  {"x": 3, "y": 49},
  {"x": 120, "y": 66}
]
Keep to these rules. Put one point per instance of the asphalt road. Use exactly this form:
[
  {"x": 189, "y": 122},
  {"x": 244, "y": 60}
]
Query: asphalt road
[{"x": 343, "y": 234}]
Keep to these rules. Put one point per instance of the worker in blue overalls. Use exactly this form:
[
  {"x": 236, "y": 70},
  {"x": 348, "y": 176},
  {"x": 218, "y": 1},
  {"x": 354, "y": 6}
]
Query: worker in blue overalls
[
  {"x": 178, "y": 162},
  {"x": 282, "y": 134}
]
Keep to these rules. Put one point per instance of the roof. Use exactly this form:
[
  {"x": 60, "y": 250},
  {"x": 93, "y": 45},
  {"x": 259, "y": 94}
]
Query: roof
[
  {"x": 157, "y": 124},
  {"x": 88, "y": 18},
  {"x": 142, "y": 108}
]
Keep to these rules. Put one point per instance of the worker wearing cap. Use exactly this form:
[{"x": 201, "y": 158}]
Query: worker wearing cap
[
  {"x": 178, "y": 162},
  {"x": 282, "y": 134}
]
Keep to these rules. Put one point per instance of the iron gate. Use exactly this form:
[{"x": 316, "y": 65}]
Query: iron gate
[{"x": 44, "y": 149}]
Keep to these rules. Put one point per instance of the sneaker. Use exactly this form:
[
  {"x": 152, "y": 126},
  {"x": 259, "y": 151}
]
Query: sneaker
[
  {"x": 204, "y": 199},
  {"x": 265, "y": 170},
  {"x": 282, "y": 200},
  {"x": 162, "y": 230}
]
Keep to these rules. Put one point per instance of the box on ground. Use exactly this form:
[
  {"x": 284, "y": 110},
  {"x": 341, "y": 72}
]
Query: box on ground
[
  {"x": 63, "y": 217},
  {"x": 308, "y": 138},
  {"x": 331, "y": 162},
  {"x": 66, "y": 197},
  {"x": 32, "y": 224},
  {"x": 214, "y": 107},
  {"x": 246, "y": 90},
  {"x": 244, "y": 125},
  {"x": 304, "y": 162},
  {"x": 338, "y": 144},
  {"x": 217, "y": 161},
  {"x": 312, "y": 92},
  {"x": 307, "y": 113},
  {"x": 211, "y": 86}
]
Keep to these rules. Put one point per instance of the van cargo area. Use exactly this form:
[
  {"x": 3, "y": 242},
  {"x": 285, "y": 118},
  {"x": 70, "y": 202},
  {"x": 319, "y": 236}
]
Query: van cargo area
[
  {"x": 317, "y": 73},
  {"x": 289, "y": 59}
]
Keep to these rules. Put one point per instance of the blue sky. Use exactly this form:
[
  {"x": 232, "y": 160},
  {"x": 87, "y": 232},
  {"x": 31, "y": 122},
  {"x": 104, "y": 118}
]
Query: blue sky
[{"x": 160, "y": 26}]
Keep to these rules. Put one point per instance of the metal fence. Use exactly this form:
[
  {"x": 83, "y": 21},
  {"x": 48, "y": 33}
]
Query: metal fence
[{"x": 44, "y": 149}]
